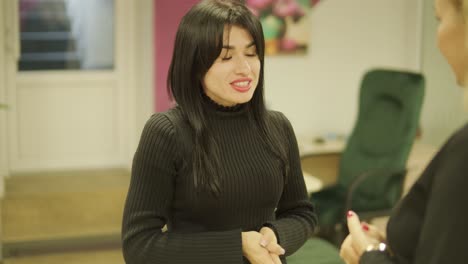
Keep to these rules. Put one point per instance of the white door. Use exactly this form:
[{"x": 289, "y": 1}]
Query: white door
[{"x": 68, "y": 91}]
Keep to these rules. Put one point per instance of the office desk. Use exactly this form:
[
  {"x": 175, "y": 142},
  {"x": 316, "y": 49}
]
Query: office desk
[{"x": 320, "y": 162}]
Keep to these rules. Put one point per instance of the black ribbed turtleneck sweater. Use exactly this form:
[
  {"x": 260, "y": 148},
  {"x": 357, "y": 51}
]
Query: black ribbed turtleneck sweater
[{"x": 203, "y": 228}]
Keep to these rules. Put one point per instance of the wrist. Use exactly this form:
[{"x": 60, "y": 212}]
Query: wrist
[
  {"x": 244, "y": 243},
  {"x": 378, "y": 247}
]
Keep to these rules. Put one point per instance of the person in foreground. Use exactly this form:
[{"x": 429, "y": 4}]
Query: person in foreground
[
  {"x": 429, "y": 224},
  {"x": 220, "y": 171}
]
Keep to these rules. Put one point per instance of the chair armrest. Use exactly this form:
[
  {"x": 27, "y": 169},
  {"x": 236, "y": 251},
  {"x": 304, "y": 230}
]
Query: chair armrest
[
  {"x": 384, "y": 174},
  {"x": 336, "y": 191}
]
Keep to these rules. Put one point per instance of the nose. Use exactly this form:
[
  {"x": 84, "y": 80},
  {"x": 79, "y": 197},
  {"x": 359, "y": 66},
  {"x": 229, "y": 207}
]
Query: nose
[{"x": 243, "y": 66}]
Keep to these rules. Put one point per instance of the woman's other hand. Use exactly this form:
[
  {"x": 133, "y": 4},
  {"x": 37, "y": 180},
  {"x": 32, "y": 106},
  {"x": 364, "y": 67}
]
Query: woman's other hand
[
  {"x": 255, "y": 248},
  {"x": 357, "y": 241},
  {"x": 270, "y": 242},
  {"x": 374, "y": 234}
]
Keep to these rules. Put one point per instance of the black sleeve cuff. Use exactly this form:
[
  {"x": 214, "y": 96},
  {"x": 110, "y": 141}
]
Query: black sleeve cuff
[{"x": 372, "y": 257}]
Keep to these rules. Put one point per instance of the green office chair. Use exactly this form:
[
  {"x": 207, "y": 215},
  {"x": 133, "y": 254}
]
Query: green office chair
[{"x": 372, "y": 166}]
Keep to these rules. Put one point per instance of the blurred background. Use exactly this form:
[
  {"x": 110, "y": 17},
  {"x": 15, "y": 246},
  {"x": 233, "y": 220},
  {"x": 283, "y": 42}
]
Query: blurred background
[{"x": 79, "y": 78}]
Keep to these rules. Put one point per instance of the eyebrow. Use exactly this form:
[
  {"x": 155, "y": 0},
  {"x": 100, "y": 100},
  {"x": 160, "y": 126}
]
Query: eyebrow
[{"x": 232, "y": 47}]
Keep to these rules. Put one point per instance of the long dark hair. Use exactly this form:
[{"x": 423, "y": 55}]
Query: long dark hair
[{"x": 199, "y": 41}]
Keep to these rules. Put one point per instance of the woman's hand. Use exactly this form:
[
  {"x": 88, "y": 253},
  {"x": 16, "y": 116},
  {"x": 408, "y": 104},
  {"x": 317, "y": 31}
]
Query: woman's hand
[
  {"x": 270, "y": 242},
  {"x": 358, "y": 240},
  {"x": 373, "y": 233},
  {"x": 348, "y": 253},
  {"x": 255, "y": 248}
]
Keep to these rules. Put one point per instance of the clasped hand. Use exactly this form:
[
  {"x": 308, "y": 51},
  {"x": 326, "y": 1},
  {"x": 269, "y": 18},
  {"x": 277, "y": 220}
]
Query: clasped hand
[{"x": 261, "y": 247}]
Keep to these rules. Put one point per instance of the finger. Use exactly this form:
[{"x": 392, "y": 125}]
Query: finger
[
  {"x": 347, "y": 252},
  {"x": 373, "y": 231},
  {"x": 268, "y": 234},
  {"x": 264, "y": 258},
  {"x": 371, "y": 236},
  {"x": 264, "y": 242},
  {"x": 346, "y": 246},
  {"x": 355, "y": 229},
  {"x": 275, "y": 249},
  {"x": 350, "y": 256},
  {"x": 276, "y": 259}
]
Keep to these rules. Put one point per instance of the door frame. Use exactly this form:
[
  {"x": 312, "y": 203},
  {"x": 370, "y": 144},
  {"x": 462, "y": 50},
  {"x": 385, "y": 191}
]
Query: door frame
[
  {"x": 141, "y": 101},
  {"x": 4, "y": 169},
  {"x": 6, "y": 30},
  {"x": 139, "y": 44}
]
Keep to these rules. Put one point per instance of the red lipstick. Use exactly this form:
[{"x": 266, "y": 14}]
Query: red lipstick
[{"x": 242, "y": 84}]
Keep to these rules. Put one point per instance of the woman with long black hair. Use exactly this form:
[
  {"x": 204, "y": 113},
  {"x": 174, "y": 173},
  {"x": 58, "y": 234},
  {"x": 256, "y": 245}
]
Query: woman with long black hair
[{"x": 219, "y": 170}]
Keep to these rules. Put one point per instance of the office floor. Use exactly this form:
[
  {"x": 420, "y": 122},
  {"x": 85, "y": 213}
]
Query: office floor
[
  {"x": 42, "y": 212},
  {"x": 39, "y": 206},
  {"x": 83, "y": 257}
]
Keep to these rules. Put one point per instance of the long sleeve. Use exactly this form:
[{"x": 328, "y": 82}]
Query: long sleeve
[
  {"x": 149, "y": 204},
  {"x": 441, "y": 195},
  {"x": 295, "y": 215},
  {"x": 376, "y": 257},
  {"x": 444, "y": 233}
]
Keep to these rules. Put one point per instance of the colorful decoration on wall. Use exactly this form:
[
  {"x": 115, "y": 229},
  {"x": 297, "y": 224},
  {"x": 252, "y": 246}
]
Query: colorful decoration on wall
[
  {"x": 285, "y": 24},
  {"x": 314, "y": 2}
]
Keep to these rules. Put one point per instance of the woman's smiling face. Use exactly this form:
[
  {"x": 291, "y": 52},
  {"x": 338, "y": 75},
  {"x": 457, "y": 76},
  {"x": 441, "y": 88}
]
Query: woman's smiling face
[{"x": 233, "y": 77}]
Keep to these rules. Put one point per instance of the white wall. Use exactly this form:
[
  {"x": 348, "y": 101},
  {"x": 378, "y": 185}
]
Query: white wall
[
  {"x": 3, "y": 142},
  {"x": 319, "y": 92},
  {"x": 3, "y": 99},
  {"x": 443, "y": 108}
]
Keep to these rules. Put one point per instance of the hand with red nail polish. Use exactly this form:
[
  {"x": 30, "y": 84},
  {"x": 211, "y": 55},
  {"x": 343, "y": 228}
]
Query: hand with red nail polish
[
  {"x": 373, "y": 233},
  {"x": 357, "y": 240},
  {"x": 365, "y": 226}
]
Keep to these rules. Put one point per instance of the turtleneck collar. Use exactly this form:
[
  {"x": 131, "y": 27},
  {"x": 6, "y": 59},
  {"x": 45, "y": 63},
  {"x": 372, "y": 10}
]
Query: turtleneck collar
[{"x": 213, "y": 106}]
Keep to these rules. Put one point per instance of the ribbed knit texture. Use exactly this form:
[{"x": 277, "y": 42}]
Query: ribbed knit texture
[{"x": 203, "y": 228}]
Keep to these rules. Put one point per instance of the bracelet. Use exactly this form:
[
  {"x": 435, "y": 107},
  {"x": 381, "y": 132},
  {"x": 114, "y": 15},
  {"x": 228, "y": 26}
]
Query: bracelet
[{"x": 382, "y": 247}]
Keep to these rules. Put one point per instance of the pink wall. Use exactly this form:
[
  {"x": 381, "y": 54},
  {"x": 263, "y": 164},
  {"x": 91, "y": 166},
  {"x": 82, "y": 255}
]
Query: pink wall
[{"x": 168, "y": 14}]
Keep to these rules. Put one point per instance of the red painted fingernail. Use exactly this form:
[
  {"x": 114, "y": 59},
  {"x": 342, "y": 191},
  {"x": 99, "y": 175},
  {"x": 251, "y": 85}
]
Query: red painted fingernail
[
  {"x": 365, "y": 227},
  {"x": 350, "y": 213}
]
